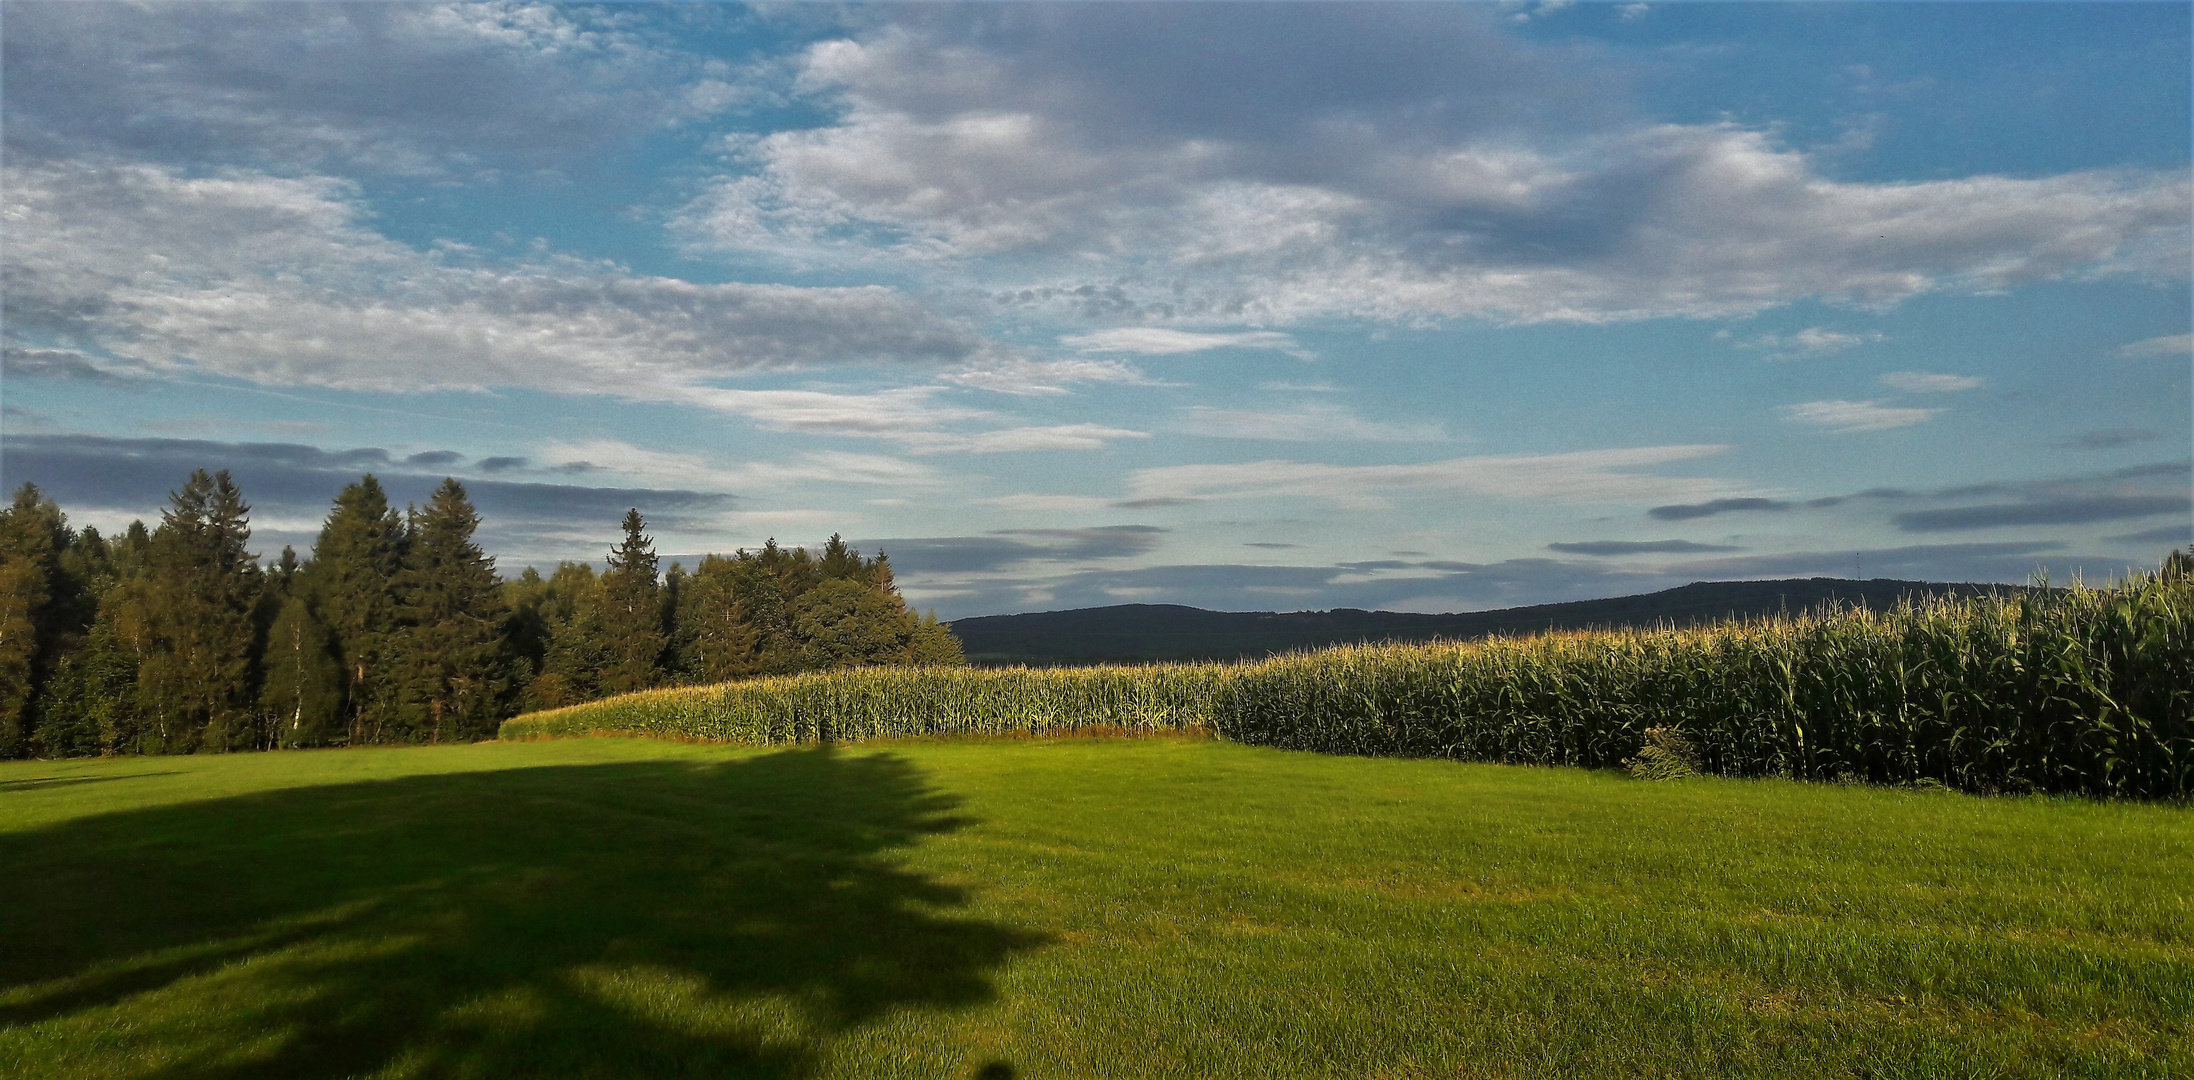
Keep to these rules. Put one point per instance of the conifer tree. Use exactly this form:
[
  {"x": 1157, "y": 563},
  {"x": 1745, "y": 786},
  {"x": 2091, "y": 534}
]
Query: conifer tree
[
  {"x": 32, "y": 532},
  {"x": 934, "y": 645},
  {"x": 199, "y": 593},
  {"x": 717, "y": 638},
  {"x": 840, "y": 562},
  {"x": 448, "y": 666},
  {"x": 569, "y": 609},
  {"x": 351, "y": 587},
  {"x": 66, "y": 714},
  {"x": 91, "y": 704},
  {"x": 632, "y": 612}
]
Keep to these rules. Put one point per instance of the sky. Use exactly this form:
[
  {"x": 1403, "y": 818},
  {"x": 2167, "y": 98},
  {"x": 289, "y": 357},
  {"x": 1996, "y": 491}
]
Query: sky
[{"x": 1423, "y": 307}]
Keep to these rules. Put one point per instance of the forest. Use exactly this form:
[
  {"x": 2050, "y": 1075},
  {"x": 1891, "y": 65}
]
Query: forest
[{"x": 396, "y": 629}]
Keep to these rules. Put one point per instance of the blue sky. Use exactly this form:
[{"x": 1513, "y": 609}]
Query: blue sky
[{"x": 1257, "y": 307}]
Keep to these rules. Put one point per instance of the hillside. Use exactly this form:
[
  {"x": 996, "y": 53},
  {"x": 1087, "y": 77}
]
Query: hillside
[{"x": 1148, "y": 632}]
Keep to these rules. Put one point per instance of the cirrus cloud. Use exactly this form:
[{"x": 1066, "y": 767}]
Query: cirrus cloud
[{"x": 1852, "y": 417}]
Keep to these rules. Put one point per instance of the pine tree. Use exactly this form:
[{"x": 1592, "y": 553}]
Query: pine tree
[
  {"x": 351, "y": 585},
  {"x": 199, "y": 592},
  {"x": 32, "y": 533},
  {"x": 448, "y": 665},
  {"x": 632, "y": 612}
]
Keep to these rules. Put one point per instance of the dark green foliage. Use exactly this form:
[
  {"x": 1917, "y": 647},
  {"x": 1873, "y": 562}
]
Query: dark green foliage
[
  {"x": 630, "y": 615},
  {"x": 200, "y": 587},
  {"x": 351, "y": 586},
  {"x": 847, "y": 622},
  {"x": 570, "y": 609},
  {"x": 396, "y": 630},
  {"x": 32, "y": 534},
  {"x": 73, "y": 668},
  {"x": 933, "y": 645},
  {"x": 447, "y": 666},
  {"x": 779, "y": 611},
  {"x": 303, "y": 693},
  {"x": 2178, "y": 566}
]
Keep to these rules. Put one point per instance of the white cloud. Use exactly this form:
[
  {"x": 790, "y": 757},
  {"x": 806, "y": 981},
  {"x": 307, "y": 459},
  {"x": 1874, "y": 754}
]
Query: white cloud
[
  {"x": 278, "y": 280},
  {"x": 1810, "y": 342},
  {"x": 1083, "y": 436},
  {"x": 1848, "y": 417},
  {"x": 137, "y": 270},
  {"x": 2172, "y": 345},
  {"x": 1161, "y": 341},
  {"x": 420, "y": 89},
  {"x": 1462, "y": 179},
  {"x": 1583, "y": 476},
  {"x": 1314, "y": 424},
  {"x": 1018, "y": 375},
  {"x": 1632, "y": 12},
  {"x": 670, "y": 469},
  {"x": 1925, "y": 382},
  {"x": 1049, "y": 504},
  {"x": 902, "y": 413}
]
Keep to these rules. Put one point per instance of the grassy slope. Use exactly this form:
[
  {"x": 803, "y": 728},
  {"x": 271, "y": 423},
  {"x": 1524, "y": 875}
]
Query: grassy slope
[{"x": 1074, "y": 908}]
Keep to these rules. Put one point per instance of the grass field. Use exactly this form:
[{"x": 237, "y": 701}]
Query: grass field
[{"x": 1128, "y": 908}]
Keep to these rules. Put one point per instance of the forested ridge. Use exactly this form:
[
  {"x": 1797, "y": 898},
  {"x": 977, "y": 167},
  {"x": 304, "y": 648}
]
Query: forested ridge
[{"x": 397, "y": 629}]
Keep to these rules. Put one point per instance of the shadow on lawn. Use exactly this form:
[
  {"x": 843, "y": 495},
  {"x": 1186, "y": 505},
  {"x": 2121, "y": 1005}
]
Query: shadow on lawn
[{"x": 648, "y": 919}]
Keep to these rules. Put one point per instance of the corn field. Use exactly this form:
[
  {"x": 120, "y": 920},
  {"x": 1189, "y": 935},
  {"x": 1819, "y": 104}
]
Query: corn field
[{"x": 2087, "y": 691}]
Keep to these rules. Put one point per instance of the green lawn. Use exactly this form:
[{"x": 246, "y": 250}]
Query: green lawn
[{"x": 1158, "y": 907}]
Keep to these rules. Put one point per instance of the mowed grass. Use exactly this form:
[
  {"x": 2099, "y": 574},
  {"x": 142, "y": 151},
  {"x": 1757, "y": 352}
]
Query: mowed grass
[{"x": 1125, "y": 908}]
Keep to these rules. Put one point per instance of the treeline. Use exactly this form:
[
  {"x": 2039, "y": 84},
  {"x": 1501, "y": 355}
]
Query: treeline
[{"x": 397, "y": 629}]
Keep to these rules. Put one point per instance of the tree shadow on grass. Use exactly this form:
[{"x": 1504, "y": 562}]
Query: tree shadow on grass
[
  {"x": 636, "y": 919},
  {"x": 38, "y": 782}
]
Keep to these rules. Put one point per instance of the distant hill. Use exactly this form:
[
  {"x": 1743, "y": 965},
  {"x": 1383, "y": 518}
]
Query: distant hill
[{"x": 1137, "y": 633}]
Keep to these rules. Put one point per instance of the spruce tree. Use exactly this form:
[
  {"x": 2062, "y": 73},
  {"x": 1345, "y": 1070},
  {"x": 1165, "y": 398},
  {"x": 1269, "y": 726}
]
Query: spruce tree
[
  {"x": 32, "y": 532},
  {"x": 840, "y": 562},
  {"x": 91, "y": 704},
  {"x": 448, "y": 667},
  {"x": 569, "y": 610},
  {"x": 632, "y": 612},
  {"x": 67, "y": 711},
  {"x": 200, "y": 589},
  {"x": 717, "y": 638},
  {"x": 351, "y": 585},
  {"x": 934, "y": 645}
]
